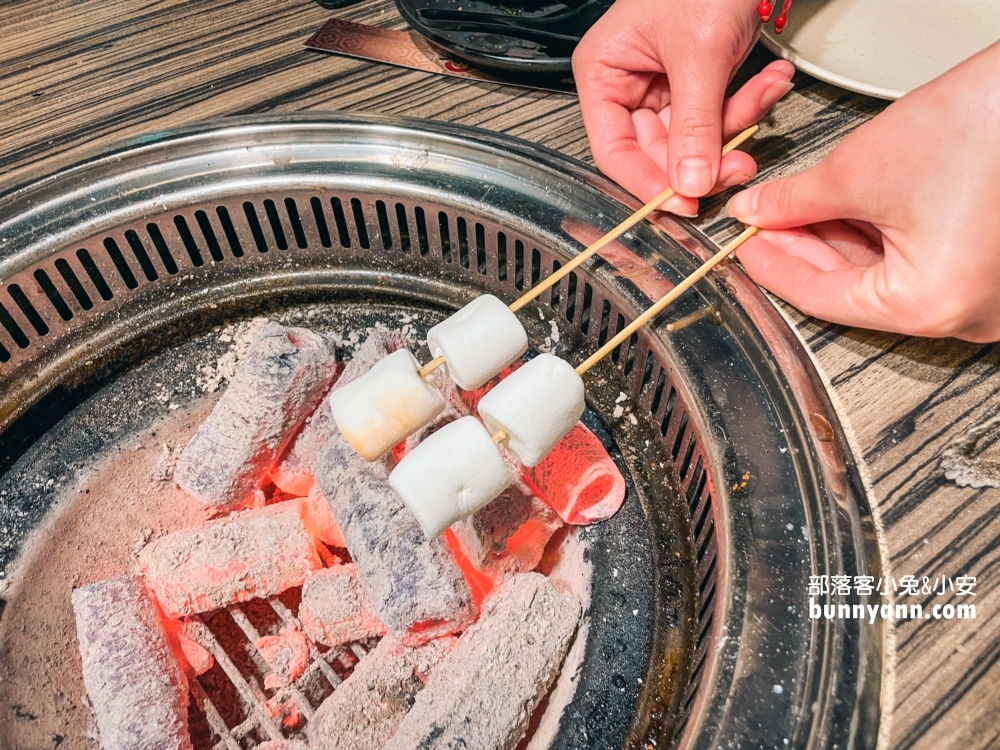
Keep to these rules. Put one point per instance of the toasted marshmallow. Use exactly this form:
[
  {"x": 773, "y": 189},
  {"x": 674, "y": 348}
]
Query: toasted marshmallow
[
  {"x": 478, "y": 341},
  {"x": 451, "y": 475},
  {"x": 385, "y": 405},
  {"x": 536, "y": 406}
]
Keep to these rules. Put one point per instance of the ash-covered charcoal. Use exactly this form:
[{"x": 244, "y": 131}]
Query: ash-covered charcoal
[
  {"x": 516, "y": 524},
  {"x": 578, "y": 479},
  {"x": 365, "y": 710},
  {"x": 282, "y": 380},
  {"x": 415, "y": 587},
  {"x": 483, "y": 693},
  {"x": 335, "y": 609},
  {"x": 247, "y": 555},
  {"x": 136, "y": 686},
  {"x": 294, "y": 473},
  {"x": 287, "y": 654},
  {"x": 283, "y": 745}
]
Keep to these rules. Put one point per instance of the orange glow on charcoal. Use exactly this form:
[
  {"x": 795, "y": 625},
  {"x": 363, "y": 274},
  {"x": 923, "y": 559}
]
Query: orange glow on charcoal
[{"x": 480, "y": 582}]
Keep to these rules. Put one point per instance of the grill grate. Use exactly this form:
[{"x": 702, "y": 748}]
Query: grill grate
[{"x": 258, "y": 705}]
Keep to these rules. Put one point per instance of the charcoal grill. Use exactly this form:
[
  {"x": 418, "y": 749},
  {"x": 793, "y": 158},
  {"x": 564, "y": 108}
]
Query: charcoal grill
[{"x": 741, "y": 484}]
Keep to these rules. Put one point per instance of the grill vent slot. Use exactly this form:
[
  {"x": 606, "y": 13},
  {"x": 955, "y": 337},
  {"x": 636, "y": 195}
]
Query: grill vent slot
[
  {"x": 29, "y": 311},
  {"x": 66, "y": 271},
  {"x": 214, "y": 249},
  {"x": 53, "y": 295},
  {"x": 188, "y": 239},
  {"x": 94, "y": 273},
  {"x": 156, "y": 236}
]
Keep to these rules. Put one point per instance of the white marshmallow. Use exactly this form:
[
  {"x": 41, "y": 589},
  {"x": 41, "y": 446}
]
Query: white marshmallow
[
  {"x": 536, "y": 406},
  {"x": 451, "y": 475},
  {"x": 478, "y": 341},
  {"x": 385, "y": 405}
]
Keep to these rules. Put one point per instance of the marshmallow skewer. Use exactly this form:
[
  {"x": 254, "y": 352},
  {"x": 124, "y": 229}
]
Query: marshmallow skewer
[
  {"x": 618, "y": 231},
  {"x": 664, "y": 301}
]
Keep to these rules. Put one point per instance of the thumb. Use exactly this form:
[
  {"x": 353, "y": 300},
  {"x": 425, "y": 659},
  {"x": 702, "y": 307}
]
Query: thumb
[
  {"x": 809, "y": 197},
  {"x": 697, "y": 90}
]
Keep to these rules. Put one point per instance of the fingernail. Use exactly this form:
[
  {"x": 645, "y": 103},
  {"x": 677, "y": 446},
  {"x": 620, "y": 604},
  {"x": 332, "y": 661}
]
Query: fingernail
[
  {"x": 774, "y": 92},
  {"x": 694, "y": 176},
  {"x": 743, "y": 205}
]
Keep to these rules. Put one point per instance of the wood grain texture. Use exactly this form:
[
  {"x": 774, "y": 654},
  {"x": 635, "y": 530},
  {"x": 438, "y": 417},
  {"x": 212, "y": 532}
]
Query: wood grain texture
[{"x": 80, "y": 74}]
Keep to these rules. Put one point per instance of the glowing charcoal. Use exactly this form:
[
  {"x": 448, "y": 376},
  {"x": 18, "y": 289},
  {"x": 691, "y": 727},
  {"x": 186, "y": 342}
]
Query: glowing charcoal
[
  {"x": 294, "y": 474},
  {"x": 450, "y": 475},
  {"x": 365, "y": 710},
  {"x": 478, "y": 341},
  {"x": 385, "y": 405},
  {"x": 510, "y": 533},
  {"x": 515, "y": 651},
  {"x": 287, "y": 653},
  {"x": 135, "y": 685},
  {"x": 536, "y": 406},
  {"x": 248, "y": 555},
  {"x": 414, "y": 586},
  {"x": 283, "y": 745},
  {"x": 282, "y": 379},
  {"x": 335, "y": 609},
  {"x": 578, "y": 479}
]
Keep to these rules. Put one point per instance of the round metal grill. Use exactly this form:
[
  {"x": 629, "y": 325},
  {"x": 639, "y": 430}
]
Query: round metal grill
[{"x": 737, "y": 467}]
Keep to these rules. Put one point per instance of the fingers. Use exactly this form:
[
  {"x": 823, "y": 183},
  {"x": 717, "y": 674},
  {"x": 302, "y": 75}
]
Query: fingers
[
  {"x": 697, "y": 90},
  {"x": 805, "y": 271},
  {"x": 753, "y": 100},
  {"x": 613, "y": 137},
  {"x": 822, "y": 193}
]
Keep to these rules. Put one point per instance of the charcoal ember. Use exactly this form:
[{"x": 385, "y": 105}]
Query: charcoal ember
[
  {"x": 414, "y": 585},
  {"x": 283, "y": 378},
  {"x": 287, "y": 654},
  {"x": 136, "y": 686},
  {"x": 578, "y": 479},
  {"x": 283, "y": 745},
  {"x": 335, "y": 610},
  {"x": 199, "y": 659},
  {"x": 483, "y": 693},
  {"x": 514, "y": 527},
  {"x": 294, "y": 473},
  {"x": 320, "y": 521},
  {"x": 365, "y": 710},
  {"x": 247, "y": 555}
]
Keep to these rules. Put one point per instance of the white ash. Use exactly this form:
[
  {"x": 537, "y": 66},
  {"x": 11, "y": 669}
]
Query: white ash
[
  {"x": 409, "y": 579},
  {"x": 365, "y": 710},
  {"x": 136, "y": 687},
  {"x": 335, "y": 609},
  {"x": 485, "y": 690},
  {"x": 283, "y": 377}
]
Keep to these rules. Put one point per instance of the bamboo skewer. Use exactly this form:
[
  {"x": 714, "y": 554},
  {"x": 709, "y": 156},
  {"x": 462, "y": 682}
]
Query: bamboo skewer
[
  {"x": 656, "y": 308},
  {"x": 603, "y": 242},
  {"x": 669, "y": 297}
]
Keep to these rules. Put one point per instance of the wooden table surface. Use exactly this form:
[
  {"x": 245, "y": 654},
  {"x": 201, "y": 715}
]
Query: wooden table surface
[{"x": 80, "y": 74}]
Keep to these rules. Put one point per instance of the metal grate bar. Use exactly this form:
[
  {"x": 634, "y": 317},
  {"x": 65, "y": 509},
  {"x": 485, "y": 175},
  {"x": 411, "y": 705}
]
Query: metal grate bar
[
  {"x": 215, "y": 720},
  {"x": 254, "y": 698}
]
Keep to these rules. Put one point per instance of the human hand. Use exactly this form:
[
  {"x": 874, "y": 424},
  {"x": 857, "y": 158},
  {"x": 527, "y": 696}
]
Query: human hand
[
  {"x": 898, "y": 228},
  {"x": 652, "y": 75}
]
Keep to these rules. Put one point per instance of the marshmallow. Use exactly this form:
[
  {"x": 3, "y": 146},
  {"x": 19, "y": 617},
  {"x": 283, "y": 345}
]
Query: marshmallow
[
  {"x": 478, "y": 341},
  {"x": 536, "y": 406},
  {"x": 451, "y": 475},
  {"x": 385, "y": 405}
]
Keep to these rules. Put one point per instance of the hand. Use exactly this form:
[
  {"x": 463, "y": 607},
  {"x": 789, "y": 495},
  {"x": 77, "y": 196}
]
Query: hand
[
  {"x": 899, "y": 227},
  {"x": 652, "y": 76}
]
